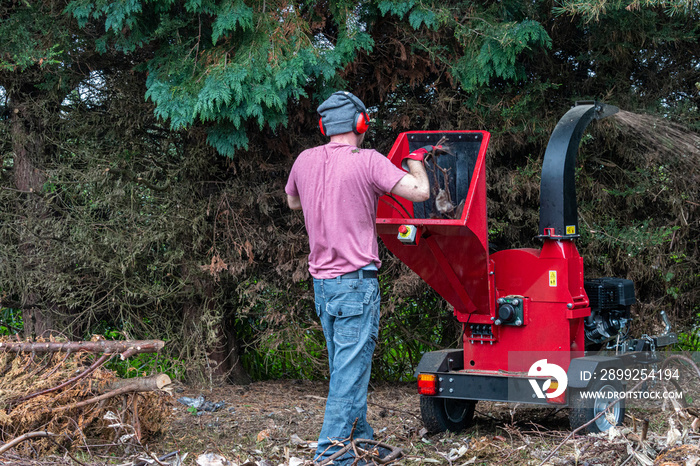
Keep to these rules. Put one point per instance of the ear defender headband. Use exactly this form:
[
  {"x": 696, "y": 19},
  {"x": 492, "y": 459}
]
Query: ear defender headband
[{"x": 360, "y": 121}]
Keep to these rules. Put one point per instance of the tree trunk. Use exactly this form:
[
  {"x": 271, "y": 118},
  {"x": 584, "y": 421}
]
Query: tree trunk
[
  {"x": 217, "y": 346},
  {"x": 237, "y": 374},
  {"x": 29, "y": 151},
  {"x": 220, "y": 346}
]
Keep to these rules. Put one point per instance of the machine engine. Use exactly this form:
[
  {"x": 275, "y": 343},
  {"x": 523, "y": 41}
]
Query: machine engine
[{"x": 610, "y": 301}]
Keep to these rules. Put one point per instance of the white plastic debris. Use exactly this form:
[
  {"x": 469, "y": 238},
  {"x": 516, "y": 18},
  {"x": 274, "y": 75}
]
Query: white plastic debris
[
  {"x": 212, "y": 459},
  {"x": 296, "y": 440}
]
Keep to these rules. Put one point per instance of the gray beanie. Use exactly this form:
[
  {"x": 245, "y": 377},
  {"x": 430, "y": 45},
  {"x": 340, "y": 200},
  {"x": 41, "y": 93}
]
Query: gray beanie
[{"x": 338, "y": 112}]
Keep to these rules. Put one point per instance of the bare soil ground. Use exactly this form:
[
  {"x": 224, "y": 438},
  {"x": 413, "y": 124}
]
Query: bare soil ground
[{"x": 275, "y": 423}]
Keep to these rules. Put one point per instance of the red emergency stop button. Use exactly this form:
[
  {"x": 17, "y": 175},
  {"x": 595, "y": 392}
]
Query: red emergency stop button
[{"x": 407, "y": 234}]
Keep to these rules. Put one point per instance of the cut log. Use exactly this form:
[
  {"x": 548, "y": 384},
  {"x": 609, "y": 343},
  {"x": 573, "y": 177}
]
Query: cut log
[
  {"x": 125, "y": 347},
  {"x": 141, "y": 384}
]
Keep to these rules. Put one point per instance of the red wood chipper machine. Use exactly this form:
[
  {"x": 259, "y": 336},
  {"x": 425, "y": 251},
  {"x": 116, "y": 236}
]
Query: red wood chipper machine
[{"x": 530, "y": 319}]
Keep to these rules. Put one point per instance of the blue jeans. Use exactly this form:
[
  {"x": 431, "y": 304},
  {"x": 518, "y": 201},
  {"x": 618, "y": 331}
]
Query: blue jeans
[{"x": 349, "y": 313}]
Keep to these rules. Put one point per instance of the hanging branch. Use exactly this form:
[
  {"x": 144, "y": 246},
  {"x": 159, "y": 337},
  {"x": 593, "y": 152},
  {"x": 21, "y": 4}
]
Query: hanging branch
[
  {"x": 443, "y": 201},
  {"x": 442, "y": 197}
]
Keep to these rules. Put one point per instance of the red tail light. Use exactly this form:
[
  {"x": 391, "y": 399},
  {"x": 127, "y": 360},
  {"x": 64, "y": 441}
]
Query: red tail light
[{"x": 427, "y": 384}]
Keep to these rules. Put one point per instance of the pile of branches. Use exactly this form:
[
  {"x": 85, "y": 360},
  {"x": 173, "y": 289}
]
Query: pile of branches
[{"x": 60, "y": 395}]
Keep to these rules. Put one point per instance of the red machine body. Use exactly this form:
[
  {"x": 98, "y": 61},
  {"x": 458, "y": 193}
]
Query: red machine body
[
  {"x": 452, "y": 256},
  {"x": 526, "y": 313},
  {"x": 550, "y": 282}
]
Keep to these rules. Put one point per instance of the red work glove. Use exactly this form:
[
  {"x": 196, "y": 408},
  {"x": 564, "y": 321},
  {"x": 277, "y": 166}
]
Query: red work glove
[{"x": 418, "y": 154}]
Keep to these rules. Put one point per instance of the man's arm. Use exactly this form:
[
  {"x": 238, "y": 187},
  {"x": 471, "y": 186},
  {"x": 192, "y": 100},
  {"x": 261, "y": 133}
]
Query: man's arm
[
  {"x": 414, "y": 186},
  {"x": 295, "y": 203}
]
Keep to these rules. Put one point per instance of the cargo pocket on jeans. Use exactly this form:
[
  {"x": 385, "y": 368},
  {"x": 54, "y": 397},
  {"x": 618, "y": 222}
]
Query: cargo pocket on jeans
[{"x": 348, "y": 317}]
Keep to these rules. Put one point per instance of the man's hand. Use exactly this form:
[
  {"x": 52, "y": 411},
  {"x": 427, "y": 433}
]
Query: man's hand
[{"x": 419, "y": 155}]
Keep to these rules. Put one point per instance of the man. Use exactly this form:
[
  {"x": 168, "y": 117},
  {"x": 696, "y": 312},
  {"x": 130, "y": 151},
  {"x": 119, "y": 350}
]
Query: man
[{"x": 337, "y": 186}]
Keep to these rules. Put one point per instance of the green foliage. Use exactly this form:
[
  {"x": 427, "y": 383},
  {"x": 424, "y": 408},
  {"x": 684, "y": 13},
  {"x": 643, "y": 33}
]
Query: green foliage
[
  {"x": 270, "y": 358},
  {"x": 229, "y": 63},
  {"x": 235, "y": 15},
  {"x": 278, "y": 55},
  {"x": 592, "y": 11},
  {"x": 226, "y": 138},
  {"x": 398, "y": 8},
  {"x": 144, "y": 364},
  {"x": 634, "y": 239},
  {"x": 500, "y": 53},
  {"x": 690, "y": 340},
  {"x": 11, "y": 322},
  {"x": 488, "y": 46},
  {"x": 418, "y": 14},
  {"x": 281, "y": 338},
  {"x": 22, "y": 46}
]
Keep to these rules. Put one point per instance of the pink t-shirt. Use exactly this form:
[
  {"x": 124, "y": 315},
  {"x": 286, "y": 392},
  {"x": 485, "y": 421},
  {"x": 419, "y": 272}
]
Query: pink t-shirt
[{"x": 339, "y": 186}]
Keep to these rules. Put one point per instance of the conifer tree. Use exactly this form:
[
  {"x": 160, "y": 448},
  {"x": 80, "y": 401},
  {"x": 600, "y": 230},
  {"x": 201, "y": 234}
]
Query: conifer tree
[{"x": 115, "y": 201}]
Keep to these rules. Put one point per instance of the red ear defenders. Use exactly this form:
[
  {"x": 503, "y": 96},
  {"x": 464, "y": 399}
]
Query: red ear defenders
[{"x": 360, "y": 122}]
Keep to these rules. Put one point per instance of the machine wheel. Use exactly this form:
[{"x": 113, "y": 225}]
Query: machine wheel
[
  {"x": 441, "y": 414},
  {"x": 583, "y": 409}
]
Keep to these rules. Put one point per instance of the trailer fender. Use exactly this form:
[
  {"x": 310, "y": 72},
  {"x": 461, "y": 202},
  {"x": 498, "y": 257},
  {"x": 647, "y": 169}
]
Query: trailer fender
[
  {"x": 441, "y": 361},
  {"x": 583, "y": 370}
]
